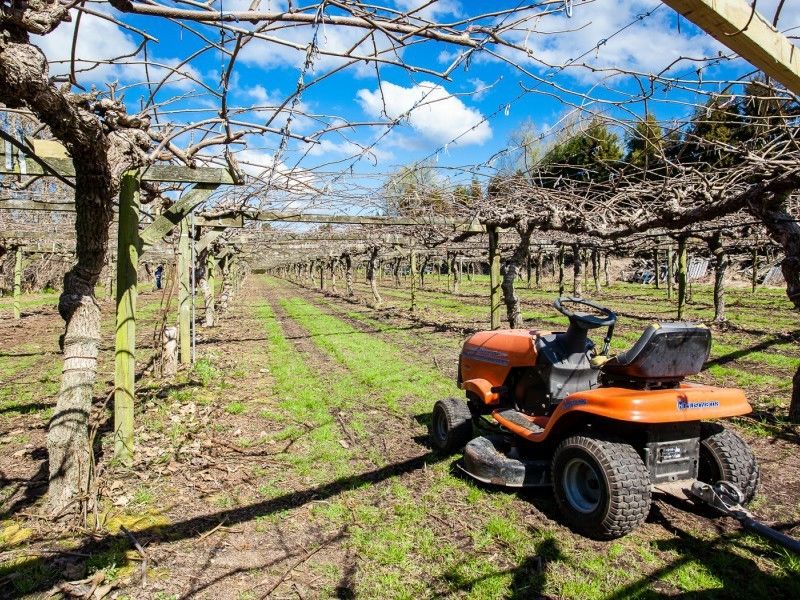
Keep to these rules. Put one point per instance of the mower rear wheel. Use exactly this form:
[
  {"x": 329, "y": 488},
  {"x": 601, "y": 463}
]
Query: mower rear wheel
[
  {"x": 726, "y": 456},
  {"x": 601, "y": 486},
  {"x": 451, "y": 425}
]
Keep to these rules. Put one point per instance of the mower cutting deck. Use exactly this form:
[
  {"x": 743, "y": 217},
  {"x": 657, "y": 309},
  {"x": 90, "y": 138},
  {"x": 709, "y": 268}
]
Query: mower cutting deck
[{"x": 604, "y": 432}]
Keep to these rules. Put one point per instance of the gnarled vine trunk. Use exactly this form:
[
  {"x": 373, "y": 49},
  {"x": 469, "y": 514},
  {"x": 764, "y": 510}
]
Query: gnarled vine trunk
[
  {"x": 103, "y": 142},
  {"x": 371, "y": 265},
  {"x": 348, "y": 273},
  {"x": 720, "y": 266},
  {"x": 784, "y": 229},
  {"x": 512, "y": 267}
]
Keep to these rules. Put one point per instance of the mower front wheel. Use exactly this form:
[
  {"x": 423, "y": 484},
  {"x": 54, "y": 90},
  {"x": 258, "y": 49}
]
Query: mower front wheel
[
  {"x": 602, "y": 487},
  {"x": 451, "y": 425}
]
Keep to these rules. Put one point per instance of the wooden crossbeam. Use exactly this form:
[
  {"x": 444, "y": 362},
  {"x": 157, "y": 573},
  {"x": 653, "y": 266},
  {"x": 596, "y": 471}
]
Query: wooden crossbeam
[
  {"x": 456, "y": 223},
  {"x": 735, "y": 24},
  {"x": 230, "y": 222},
  {"x": 55, "y": 156},
  {"x": 164, "y": 223},
  {"x": 208, "y": 239}
]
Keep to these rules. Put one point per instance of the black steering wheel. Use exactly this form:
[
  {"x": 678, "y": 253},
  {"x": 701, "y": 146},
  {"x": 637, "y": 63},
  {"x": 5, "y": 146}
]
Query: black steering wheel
[{"x": 585, "y": 320}]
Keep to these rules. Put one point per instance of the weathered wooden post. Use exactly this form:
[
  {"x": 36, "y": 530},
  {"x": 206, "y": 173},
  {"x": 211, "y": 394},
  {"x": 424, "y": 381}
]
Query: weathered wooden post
[
  {"x": 754, "y": 276},
  {"x": 682, "y": 260},
  {"x": 596, "y": 269},
  {"x": 413, "y": 269},
  {"x": 670, "y": 272},
  {"x": 561, "y": 252},
  {"x": 17, "y": 280},
  {"x": 494, "y": 277},
  {"x": 125, "y": 347},
  {"x": 539, "y": 265},
  {"x": 656, "y": 269},
  {"x": 528, "y": 268},
  {"x": 184, "y": 292},
  {"x": 321, "y": 275},
  {"x": 577, "y": 271}
]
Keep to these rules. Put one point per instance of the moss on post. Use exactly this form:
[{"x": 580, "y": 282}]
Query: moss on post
[{"x": 125, "y": 348}]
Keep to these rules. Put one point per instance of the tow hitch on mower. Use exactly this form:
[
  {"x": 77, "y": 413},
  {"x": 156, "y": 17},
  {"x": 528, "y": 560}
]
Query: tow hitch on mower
[{"x": 727, "y": 499}]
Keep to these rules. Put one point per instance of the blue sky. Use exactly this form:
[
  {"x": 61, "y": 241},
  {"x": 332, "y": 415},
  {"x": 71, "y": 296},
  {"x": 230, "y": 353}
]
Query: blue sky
[{"x": 462, "y": 121}]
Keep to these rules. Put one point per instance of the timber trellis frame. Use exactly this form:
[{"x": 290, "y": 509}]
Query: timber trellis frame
[{"x": 130, "y": 244}]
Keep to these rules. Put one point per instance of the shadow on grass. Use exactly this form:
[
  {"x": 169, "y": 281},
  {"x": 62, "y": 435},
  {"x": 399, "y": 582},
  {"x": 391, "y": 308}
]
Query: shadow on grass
[
  {"x": 713, "y": 563},
  {"x": 39, "y": 573},
  {"x": 744, "y": 352}
]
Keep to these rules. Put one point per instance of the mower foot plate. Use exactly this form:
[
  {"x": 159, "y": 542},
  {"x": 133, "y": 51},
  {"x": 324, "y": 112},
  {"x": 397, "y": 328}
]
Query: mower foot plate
[
  {"x": 486, "y": 463},
  {"x": 520, "y": 420}
]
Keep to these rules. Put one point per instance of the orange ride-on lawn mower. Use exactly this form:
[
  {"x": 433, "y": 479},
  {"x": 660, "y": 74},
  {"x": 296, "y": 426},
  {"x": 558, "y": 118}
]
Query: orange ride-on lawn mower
[{"x": 603, "y": 431}]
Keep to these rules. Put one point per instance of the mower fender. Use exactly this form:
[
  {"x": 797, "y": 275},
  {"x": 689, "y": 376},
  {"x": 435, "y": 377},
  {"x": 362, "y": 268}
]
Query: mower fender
[
  {"x": 688, "y": 402},
  {"x": 482, "y": 389}
]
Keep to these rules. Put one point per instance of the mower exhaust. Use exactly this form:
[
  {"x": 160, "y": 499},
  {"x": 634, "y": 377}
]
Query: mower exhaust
[{"x": 727, "y": 498}]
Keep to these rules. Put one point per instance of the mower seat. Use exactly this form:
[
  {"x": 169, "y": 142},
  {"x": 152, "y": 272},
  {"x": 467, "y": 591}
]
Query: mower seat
[{"x": 666, "y": 352}]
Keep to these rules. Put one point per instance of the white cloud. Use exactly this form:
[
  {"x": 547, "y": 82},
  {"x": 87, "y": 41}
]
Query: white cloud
[
  {"x": 279, "y": 176},
  {"x": 430, "y": 110},
  {"x": 101, "y": 40}
]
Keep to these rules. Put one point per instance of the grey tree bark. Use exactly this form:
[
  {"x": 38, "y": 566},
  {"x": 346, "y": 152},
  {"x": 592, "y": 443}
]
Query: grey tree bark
[
  {"x": 371, "y": 266},
  {"x": 348, "y": 272},
  {"x": 513, "y": 267},
  {"x": 720, "y": 266},
  {"x": 104, "y": 142}
]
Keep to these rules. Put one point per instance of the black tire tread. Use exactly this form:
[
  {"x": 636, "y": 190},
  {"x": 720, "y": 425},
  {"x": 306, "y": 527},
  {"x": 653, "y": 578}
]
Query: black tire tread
[
  {"x": 628, "y": 482},
  {"x": 733, "y": 456},
  {"x": 459, "y": 424}
]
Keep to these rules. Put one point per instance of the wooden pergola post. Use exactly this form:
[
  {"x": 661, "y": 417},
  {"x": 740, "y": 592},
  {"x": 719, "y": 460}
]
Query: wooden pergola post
[
  {"x": 125, "y": 348},
  {"x": 682, "y": 262},
  {"x": 413, "y": 270},
  {"x": 184, "y": 294},
  {"x": 494, "y": 277},
  {"x": 656, "y": 269},
  {"x": 670, "y": 272},
  {"x": 561, "y": 270},
  {"x": 17, "y": 280},
  {"x": 754, "y": 276}
]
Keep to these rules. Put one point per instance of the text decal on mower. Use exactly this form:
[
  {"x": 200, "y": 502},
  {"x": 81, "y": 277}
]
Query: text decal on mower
[
  {"x": 684, "y": 404},
  {"x": 491, "y": 356}
]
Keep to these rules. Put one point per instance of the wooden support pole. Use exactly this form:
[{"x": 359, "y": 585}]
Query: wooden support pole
[
  {"x": 125, "y": 346},
  {"x": 739, "y": 26},
  {"x": 605, "y": 269},
  {"x": 670, "y": 272},
  {"x": 656, "y": 269},
  {"x": 528, "y": 268},
  {"x": 561, "y": 270},
  {"x": 17, "y": 280},
  {"x": 682, "y": 261},
  {"x": 754, "y": 276},
  {"x": 539, "y": 262},
  {"x": 184, "y": 294},
  {"x": 413, "y": 270},
  {"x": 596, "y": 269},
  {"x": 577, "y": 271},
  {"x": 494, "y": 277}
]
